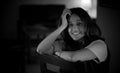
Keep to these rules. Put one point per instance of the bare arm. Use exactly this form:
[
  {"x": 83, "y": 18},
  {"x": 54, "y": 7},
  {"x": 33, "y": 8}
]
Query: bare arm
[
  {"x": 48, "y": 41},
  {"x": 79, "y": 55},
  {"x": 97, "y": 49},
  {"x": 83, "y": 55}
]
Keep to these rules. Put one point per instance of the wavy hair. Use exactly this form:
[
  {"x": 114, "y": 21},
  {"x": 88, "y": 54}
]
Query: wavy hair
[{"x": 91, "y": 27}]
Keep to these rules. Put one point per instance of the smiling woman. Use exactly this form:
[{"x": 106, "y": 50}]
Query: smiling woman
[{"x": 79, "y": 42}]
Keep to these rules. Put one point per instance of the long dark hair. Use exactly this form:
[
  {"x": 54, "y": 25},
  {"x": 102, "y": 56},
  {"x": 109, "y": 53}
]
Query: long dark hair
[{"x": 92, "y": 29}]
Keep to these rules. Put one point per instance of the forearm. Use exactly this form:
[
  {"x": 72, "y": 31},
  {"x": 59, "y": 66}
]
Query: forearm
[
  {"x": 79, "y": 55},
  {"x": 48, "y": 41},
  {"x": 83, "y": 55}
]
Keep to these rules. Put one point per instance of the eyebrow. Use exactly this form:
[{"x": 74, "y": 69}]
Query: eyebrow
[{"x": 77, "y": 21}]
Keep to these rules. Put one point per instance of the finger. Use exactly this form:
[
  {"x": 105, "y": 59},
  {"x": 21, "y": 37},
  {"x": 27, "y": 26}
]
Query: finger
[
  {"x": 57, "y": 53},
  {"x": 66, "y": 11}
]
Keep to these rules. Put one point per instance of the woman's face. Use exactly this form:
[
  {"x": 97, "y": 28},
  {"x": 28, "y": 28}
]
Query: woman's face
[{"x": 76, "y": 27}]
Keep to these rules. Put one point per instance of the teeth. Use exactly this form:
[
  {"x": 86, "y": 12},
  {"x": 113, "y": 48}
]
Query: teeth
[{"x": 75, "y": 33}]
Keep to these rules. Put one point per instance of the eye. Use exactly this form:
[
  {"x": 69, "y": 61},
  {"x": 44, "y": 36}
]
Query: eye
[
  {"x": 80, "y": 24},
  {"x": 70, "y": 24}
]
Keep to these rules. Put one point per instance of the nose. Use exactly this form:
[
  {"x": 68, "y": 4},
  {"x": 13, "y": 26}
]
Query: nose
[{"x": 75, "y": 29}]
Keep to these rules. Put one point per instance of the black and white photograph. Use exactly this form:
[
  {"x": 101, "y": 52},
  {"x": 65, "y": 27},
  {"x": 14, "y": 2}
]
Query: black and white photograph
[{"x": 60, "y": 36}]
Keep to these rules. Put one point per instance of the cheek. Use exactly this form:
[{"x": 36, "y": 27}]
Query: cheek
[
  {"x": 69, "y": 30},
  {"x": 82, "y": 30}
]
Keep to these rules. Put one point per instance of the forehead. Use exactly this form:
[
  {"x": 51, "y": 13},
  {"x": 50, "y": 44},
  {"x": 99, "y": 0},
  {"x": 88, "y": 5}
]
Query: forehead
[{"x": 74, "y": 18}]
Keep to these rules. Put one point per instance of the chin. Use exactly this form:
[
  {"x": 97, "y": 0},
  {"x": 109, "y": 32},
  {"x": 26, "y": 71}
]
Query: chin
[{"x": 77, "y": 38}]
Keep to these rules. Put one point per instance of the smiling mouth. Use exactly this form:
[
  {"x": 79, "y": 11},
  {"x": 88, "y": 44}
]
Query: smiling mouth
[{"x": 75, "y": 33}]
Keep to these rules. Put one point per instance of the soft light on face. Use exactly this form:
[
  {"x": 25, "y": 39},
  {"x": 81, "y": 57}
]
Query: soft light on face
[{"x": 76, "y": 27}]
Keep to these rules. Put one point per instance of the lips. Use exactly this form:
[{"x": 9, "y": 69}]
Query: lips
[{"x": 76, "y": 33}]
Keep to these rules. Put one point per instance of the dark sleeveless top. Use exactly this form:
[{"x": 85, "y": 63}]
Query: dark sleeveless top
[{"x": 87, "y": 66}]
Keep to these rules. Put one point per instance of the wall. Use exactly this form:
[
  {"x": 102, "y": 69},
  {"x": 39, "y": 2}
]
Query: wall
[
  {"x": 11, "y": 14},
  {"x": 108, "y": 20}
]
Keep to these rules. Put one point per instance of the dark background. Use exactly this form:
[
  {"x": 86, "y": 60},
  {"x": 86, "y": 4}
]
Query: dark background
[{"x": 108, "y": 17}]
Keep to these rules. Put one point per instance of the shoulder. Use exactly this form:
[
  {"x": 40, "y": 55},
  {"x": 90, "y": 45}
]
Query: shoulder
[
  {"x": 99, "y": 48},
  {"x": 97, "y": 42}
]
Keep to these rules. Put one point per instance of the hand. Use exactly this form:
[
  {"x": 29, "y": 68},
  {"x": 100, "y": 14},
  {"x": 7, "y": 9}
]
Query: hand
[
  {"x": 63, "y": 16},
  {"x": 64, "y": 55}
]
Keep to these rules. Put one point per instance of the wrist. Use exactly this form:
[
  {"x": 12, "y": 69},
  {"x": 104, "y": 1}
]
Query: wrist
[{"x": 63, "y": 26}]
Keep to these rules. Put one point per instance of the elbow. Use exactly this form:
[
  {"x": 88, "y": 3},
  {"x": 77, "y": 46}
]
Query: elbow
[{"x": 39, "y": 51}]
